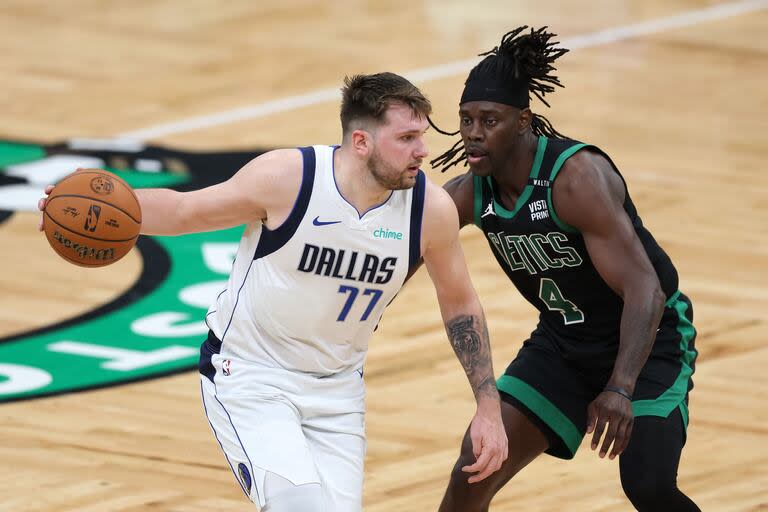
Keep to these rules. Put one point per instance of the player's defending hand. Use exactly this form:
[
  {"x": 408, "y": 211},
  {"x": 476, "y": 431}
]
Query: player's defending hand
[
  {"x": 41, "y": 205},
  {"x": 489, "y": 442},
  {"x": 614, "y": 411}
]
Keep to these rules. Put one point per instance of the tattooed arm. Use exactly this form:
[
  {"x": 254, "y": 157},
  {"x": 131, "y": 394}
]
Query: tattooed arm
[
  {"x": 465, "y": 326},
  {"x": 468, "y": 335}
]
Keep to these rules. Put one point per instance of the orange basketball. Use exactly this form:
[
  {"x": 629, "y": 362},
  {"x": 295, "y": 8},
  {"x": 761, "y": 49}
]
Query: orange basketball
[{"x": 92, "y": 218}]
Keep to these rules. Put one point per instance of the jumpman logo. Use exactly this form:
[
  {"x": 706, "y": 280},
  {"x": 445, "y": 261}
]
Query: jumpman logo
[{"x": 488, "y": 211}]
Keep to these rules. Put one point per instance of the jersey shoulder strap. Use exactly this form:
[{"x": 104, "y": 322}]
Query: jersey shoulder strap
[
  {"x": 562, "y": 150},
  {"x": 271, "y": 241},
  {"x": 417, "y": 215}
]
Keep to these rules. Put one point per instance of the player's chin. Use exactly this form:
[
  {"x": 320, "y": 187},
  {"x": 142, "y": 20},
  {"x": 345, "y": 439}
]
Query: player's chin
[
  {"x": 408, "y": 179},
  {"x": 480, "y": 166}
]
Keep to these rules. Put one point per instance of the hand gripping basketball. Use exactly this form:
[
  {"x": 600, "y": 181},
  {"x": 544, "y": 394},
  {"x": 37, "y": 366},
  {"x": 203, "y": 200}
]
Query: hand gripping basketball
[{"x": 91, "y": 218}]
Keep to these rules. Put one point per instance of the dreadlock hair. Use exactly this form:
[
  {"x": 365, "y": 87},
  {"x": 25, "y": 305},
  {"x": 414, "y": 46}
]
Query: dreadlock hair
[{"x": 521, "y": 65}]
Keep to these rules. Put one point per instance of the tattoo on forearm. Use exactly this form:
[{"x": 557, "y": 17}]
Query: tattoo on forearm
[
  {"x": 468, "y": 335},
  {"x": 465, "y": 340}
]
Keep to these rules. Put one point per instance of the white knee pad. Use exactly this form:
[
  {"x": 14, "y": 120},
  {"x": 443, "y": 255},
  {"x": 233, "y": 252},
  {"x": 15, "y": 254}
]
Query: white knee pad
[{"x": 280, "y": 495}]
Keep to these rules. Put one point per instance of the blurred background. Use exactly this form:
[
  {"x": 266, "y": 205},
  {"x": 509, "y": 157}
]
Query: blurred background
[{"x": 180, "y": 94}]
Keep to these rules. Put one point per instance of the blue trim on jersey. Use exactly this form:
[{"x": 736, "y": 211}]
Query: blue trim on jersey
[
  {"x": 270, "y": 241},
  {"x": 359, "y": 215},
  {"x": 417, "y": 212},
  {"x": 210, "y": 346}
]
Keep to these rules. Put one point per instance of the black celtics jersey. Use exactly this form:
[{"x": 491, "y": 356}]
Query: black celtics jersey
[{"x": 548, "y": 262}]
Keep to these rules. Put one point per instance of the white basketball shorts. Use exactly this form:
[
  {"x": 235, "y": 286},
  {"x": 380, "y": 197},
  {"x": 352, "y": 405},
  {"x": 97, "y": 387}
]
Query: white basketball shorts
[{"x": 303, "y": 428}]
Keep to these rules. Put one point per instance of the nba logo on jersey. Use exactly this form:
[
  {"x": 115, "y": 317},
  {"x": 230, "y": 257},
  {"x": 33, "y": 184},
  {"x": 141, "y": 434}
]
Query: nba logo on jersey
[{"x": 226, "y": 367}]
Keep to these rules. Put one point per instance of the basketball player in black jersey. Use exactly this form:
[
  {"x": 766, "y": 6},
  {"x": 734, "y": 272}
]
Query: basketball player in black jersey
[{"x": 613, "y": 352}]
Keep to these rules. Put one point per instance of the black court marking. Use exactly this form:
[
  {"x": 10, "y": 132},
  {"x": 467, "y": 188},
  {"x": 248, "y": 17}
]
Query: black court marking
[
  {"x": 150, "y": 278},
  {"x": 193, "y": 169}
]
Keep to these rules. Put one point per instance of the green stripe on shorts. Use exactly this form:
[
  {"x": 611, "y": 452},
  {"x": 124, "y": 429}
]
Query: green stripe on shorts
[
  {"x": 543, "y": 408},
  {"x": 675, "y": 395}
]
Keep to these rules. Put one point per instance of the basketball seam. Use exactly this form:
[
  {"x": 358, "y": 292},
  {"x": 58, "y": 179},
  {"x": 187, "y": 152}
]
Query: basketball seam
[
  {"x": 102, "y": 172},
  {"x": 94, "y": 199},
  {"x": 86, "y": 236}
]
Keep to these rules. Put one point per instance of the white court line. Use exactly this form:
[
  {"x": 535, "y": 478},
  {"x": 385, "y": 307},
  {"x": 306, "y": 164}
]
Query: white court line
[{"x": 598, "y": 38}]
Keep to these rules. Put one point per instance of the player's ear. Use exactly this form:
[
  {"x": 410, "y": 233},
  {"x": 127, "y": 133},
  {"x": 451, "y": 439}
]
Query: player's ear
[
  {"x": 524, "y": 121},
  {"x": 361, "y": 142}
]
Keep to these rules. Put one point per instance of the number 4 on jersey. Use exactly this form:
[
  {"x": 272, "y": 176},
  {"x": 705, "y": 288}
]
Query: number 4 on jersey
[{"x": 550, "y": 294}]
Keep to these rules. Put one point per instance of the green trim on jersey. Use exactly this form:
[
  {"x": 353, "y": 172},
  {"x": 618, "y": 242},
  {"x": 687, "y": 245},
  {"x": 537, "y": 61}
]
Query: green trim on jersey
[
  {"x": 675, "y": 395},
  {"x": 565, "y": 155},
  {"x": 672, "y": 299},
  {"x": 527, "y": 191},
  {"x": 544, "y": 409}
]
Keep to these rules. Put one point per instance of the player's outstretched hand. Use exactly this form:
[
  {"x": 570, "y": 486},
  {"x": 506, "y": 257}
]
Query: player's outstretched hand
[
  {"x": 489, "y": 444},
  {"x": 41, "y": 205},
  {"x": 610, "y": 413}
]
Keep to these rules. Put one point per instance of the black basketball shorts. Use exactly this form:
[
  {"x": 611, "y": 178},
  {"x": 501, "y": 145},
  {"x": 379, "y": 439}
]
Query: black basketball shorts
[{"x": 554, "y": 390}]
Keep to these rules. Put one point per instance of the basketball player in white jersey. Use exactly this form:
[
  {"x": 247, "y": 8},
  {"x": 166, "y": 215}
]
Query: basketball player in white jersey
[{"x": 332, "y": 234}]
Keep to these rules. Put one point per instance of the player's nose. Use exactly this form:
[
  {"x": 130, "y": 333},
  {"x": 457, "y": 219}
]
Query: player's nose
[
  {"x": 475, "y": 132},
  {"x": 421, "y": 150}
]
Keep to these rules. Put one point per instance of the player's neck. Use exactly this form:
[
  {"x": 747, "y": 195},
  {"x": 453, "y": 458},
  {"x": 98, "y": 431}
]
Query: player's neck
[
  {"x": 512, "y": 177},
  {"x": 356, "y": 184}
]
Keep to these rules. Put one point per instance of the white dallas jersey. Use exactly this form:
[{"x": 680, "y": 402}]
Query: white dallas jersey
[{"x": 307, "y": 296}]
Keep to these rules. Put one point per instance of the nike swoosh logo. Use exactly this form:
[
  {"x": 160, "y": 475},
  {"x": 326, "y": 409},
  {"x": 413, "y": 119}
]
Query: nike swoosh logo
[{"x": 317, "y": 222}]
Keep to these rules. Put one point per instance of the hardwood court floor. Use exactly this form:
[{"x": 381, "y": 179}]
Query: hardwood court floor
[{"x": 680, "y": 106}]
